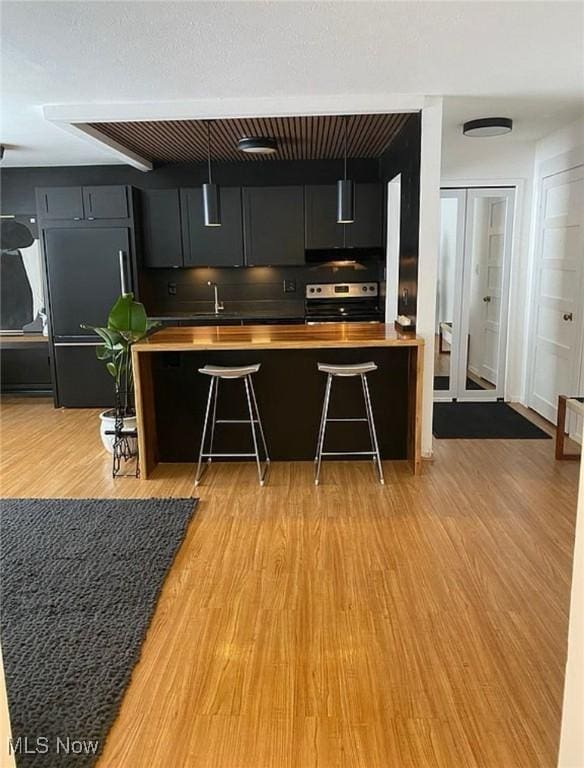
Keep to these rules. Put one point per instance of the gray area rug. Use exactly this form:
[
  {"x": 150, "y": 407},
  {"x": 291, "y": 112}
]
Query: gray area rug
[{"x": 80, "y": 579}]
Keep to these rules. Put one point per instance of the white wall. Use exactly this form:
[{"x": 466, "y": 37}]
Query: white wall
[
  {"x": 501, "y": 161},
  {"x": 566, "y": 139},
  {"x": 559, "y": 151},
  {"x": 564, "y": 149},
  {"x": 430, "y": 153},
  {"x": 572, "y": 733}
]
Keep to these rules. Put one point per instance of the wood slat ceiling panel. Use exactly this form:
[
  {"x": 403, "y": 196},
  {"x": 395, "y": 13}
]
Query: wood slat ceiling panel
[{"x": 315, "y": 137}]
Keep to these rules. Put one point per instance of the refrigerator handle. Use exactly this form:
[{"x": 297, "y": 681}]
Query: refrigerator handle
[{"x": 123, "y": 274}]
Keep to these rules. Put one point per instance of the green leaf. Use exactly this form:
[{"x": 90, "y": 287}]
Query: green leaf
[
  {"x": 110, "y": 337},
  {"x": 103, "y": 353},
  {"x": 112, "y": 369},
  {"x": 128, "y": 317}
]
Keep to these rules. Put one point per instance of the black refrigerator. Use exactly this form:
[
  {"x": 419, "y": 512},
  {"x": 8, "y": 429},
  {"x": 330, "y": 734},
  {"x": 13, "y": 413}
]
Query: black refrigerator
[{"x": 84, "y": 274}]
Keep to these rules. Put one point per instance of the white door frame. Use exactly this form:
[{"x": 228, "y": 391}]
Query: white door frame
[
  {"x": 517, "y": 277},
  {"x": 560, "y": 164},
  {"x": 460, "y": 195},
  {"x": 393, "y": 243},
  {"x": 465, "y": 395}
]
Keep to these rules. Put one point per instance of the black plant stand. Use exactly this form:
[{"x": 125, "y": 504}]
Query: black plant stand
[{"x": 123, "y": 439}]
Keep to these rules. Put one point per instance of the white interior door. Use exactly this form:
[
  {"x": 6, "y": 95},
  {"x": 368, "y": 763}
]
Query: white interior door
[
  {"x": 492, "y": 287},
  {"x": 559, "y": 292}
]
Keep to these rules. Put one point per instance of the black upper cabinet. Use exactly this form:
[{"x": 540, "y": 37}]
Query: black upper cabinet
[
  {"x": 60, "y": 203},
  {"x": 322, "y": 230},
  {"x": 82, "y": 203},
  {"x": 108, "y": 202},
  {"x": 212, "y": 246},
  {"x": 162, "y": 228},
  {"x": 274, "y": 225},
  {"x": 367, "y": 229}
]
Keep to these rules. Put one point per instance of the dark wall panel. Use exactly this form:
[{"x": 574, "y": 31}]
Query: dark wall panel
[{"x": 18, "y": 184}]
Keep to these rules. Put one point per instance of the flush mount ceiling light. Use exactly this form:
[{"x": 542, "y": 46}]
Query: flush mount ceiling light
[
  {"x": 258, "y": 145},
  {"x": 345, "y": 196},
  {"x": 211, "y": 201},
  {"x": 488, "y": 126}
]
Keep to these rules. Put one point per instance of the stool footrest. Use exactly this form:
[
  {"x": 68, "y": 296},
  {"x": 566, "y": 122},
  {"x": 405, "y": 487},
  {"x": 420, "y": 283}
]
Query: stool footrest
[
  {"x": 235, "y": 421},
  {"x": 345, "y": 420},
  {"x": 225, "y": 455},
  {"x": 348, "y": 453}
]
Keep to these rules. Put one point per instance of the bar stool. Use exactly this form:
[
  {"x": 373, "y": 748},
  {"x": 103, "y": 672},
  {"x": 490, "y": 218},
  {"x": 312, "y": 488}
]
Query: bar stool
[
  {"x": 218, "y": 372},
  {"x": 359, "y": 369}
]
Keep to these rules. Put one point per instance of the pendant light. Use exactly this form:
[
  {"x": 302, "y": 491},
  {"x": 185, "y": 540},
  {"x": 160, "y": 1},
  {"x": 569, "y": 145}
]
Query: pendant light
[
  {"x": 211, "y": 201},
  {"x": 345, "y": 196}
]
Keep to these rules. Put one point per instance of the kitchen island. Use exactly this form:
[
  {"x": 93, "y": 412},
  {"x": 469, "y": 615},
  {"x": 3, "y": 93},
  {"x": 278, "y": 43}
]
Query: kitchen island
[{"x": 171, "y": 394}]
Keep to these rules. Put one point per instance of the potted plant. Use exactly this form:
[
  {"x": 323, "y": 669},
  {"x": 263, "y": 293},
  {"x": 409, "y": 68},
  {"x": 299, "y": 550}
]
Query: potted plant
[{"x": 126, "y": 324}]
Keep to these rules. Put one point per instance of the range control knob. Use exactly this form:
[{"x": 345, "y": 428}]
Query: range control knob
[
  {"x": 311, "y": 290},
  {"x": 319, "y": 290},
  {"x": 365, "y": 288}
]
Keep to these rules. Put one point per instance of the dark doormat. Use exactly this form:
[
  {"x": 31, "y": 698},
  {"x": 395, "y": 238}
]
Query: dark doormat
[
  {"x": 80, "y": 580},
  {"x": 441, "y": 384},
  {"x": 483, "y": 421}
]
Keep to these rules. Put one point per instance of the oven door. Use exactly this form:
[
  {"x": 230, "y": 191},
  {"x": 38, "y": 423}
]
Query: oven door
[{"x": 366, "y": 317}]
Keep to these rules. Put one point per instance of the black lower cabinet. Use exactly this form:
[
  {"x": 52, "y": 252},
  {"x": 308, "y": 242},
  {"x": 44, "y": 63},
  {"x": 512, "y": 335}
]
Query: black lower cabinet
[
  {"x": 290, "y": 392},
  {"x": 82, "y": 380},
  {"x": 25, "y": 371}
]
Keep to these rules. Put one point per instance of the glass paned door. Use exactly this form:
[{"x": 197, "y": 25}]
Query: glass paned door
[
  {"x": 472, "y": 293},
  {"x": 449, "y": 292}
]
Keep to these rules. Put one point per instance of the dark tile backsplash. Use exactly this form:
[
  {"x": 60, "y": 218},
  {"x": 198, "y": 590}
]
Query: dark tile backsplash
[{"x": 165, "y": 291}]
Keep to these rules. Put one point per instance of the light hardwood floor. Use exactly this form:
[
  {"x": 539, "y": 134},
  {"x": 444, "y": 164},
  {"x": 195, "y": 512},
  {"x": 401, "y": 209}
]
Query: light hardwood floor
[{"x": 420, "y": 624}]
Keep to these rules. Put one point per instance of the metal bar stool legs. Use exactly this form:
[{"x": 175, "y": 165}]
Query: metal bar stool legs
[
  {"x": 360, "y": 370},
  {"x": 253, "y": 420},
  {"x": 372, "y": 430},
  {"x": 322, "y": 430},
  {"x": 220, "y": 372},
  {"x": 212, "y": 386}
]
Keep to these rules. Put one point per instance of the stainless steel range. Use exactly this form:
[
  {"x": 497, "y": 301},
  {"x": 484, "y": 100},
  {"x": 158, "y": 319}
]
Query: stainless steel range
[{"x": 335, "y": 302}]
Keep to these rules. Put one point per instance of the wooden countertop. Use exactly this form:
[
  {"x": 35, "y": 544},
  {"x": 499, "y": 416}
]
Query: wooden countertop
[{"x": 321, "y": 336}]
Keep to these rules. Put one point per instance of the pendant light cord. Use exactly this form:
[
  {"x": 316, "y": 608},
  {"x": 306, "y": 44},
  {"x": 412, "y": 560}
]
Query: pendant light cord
[
  {"x": 345, "y": 166},
  {"x": 209, "y": 149}
]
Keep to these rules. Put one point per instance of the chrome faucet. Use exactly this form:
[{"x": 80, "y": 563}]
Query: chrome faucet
[{"x": 218, "y": 304}]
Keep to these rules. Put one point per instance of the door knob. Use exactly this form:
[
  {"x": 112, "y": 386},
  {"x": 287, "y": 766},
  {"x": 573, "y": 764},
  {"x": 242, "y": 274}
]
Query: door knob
[
  {"x": 487, "y": 299},
  {"x": 568, "y": 317}
]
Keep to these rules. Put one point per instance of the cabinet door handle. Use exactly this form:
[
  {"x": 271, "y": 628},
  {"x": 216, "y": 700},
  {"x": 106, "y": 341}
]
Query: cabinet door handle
[
  {"x": 122, "y": 258},
  {"x": 90, "y": 202},
  {"x": 46, "y": 203},
  {"x": 487, "y": 299},
  {"x": 568, "y": 317}
]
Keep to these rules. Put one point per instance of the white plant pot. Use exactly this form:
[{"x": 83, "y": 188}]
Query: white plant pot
[{"x": 107, "y": 424}]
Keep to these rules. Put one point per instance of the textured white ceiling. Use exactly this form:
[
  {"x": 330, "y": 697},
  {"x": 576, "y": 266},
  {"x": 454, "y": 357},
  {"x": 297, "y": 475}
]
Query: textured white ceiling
[{"x": 525, "y": 58}]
